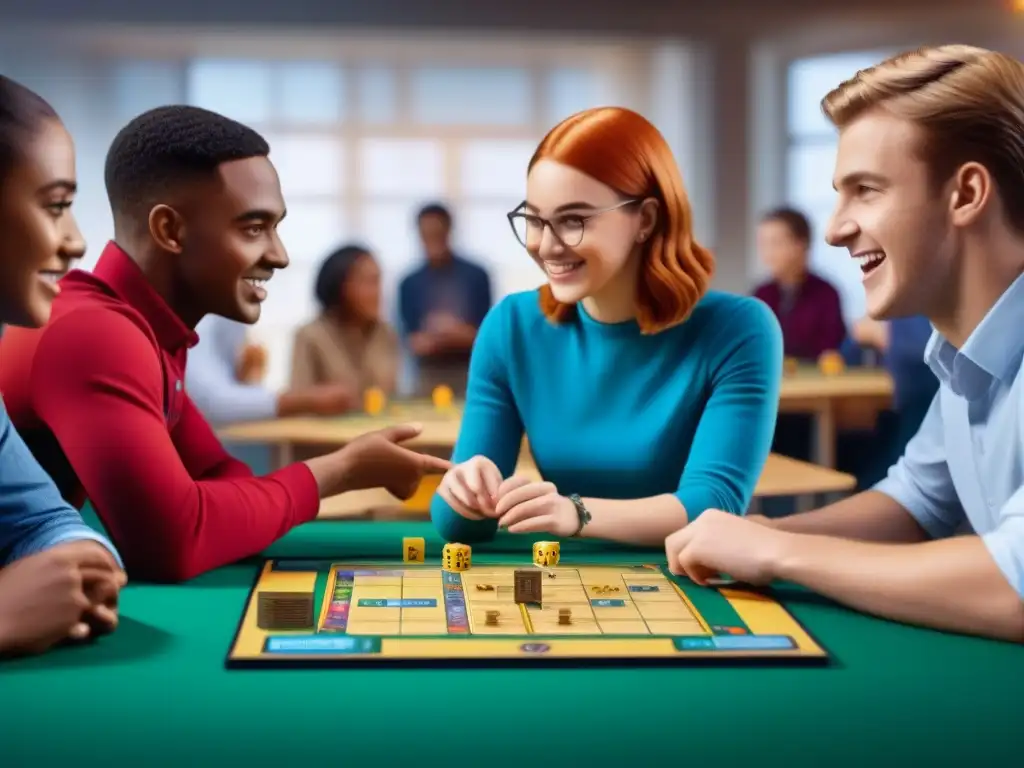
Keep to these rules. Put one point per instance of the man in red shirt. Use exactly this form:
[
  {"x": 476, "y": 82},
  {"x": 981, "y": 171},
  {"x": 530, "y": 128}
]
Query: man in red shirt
[{"x": 98, "y": 394}]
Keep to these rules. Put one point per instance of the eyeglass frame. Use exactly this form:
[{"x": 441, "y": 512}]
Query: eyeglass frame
[{"x": 546, "y": 223}]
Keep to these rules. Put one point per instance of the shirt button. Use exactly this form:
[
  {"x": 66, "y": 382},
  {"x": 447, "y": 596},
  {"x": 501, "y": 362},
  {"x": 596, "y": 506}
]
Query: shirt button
[{"x": 177, "y": 386}]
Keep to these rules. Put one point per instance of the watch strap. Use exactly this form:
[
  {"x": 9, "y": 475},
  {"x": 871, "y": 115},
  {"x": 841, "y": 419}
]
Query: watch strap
[{"x": 581, "y": 512}]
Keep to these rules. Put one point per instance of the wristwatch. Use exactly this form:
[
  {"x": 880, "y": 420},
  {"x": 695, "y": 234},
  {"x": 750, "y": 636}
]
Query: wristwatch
[{"x": 581, "y": 512}]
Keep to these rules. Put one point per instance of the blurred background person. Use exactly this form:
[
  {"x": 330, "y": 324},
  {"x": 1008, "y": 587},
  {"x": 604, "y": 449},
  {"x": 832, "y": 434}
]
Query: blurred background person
[
  {"x": 347, "y": 344},
  {"x": 807, "y": 306},
  {"x": 442, "y": 304}
]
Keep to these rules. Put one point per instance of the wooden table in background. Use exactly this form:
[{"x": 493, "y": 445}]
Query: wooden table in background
[
  {"x": 812, "y": 392},
  {"x": 781, "y": 476}
]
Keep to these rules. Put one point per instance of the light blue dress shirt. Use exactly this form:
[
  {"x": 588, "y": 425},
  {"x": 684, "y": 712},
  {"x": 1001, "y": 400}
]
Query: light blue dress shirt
[
  {"x": 965, "y": 466},
  {"x": 33, "y": 516},
  {"x": 211, "y": 380}
]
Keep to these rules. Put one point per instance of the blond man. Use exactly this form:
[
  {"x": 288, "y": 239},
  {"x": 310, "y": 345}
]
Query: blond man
[{"x": 930, "y": 181}]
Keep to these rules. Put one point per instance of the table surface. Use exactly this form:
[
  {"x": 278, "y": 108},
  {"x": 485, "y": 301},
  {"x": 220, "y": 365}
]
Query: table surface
[
  {"x": 156, "y": 693},
  {"x": 442, "y": 427},
  {"x": 808, "y": 383}
]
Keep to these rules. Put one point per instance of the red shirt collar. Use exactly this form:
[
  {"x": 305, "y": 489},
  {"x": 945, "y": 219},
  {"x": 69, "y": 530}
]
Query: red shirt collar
[{"x": 122, "y": 275}]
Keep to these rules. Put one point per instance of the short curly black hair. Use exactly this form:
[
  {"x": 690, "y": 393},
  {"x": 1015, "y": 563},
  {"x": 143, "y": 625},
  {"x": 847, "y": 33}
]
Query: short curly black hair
[
  {"x": 334, "y": 272},
  {"x": 170, "y": 145},
  {"x": 22, "y": 112}
]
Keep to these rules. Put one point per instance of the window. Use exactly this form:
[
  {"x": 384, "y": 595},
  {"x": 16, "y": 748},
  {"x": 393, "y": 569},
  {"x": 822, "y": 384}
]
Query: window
[
  {"x": 471, "y": 95},
  {"x": 810, "y": 161},
  {"x": 143, "y": 85},
  {"x": 361, "y": 144}
]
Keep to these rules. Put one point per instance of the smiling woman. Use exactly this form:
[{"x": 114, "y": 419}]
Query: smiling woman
[
  {"x": 37, "y": 186},
  {"x": 628, "y": 377}
]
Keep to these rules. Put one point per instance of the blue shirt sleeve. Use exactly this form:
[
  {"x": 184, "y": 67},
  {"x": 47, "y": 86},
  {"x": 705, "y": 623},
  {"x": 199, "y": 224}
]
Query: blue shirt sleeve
[
  {"x": 734, "y": 436},
  {"x": 920, "y": 481},
  {"x": 211, "y": 378},
  {"x": 33, "y": 516},
  {"x": 490, "y": 426}
]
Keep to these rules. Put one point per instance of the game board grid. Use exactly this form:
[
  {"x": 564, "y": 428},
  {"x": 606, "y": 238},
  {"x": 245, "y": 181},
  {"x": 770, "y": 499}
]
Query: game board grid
[{"x": 603, "y": 600}]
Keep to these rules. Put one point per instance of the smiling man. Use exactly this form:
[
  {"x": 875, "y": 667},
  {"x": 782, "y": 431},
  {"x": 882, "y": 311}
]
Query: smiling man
[
  {"x": 98, "y": 393},
  {"x": 930, "y": 178}
]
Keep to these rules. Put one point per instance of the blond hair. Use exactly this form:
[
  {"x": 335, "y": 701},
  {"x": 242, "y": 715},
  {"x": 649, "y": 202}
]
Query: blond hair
[{"x": 969, "y": 102}]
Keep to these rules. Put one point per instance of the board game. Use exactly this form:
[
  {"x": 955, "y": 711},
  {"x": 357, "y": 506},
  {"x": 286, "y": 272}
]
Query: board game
[{"x": 317, "y": 613}]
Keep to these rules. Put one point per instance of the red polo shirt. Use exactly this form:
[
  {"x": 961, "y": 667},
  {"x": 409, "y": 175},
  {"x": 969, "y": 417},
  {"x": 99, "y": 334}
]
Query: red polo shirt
[{"x": 99, "y": 396}]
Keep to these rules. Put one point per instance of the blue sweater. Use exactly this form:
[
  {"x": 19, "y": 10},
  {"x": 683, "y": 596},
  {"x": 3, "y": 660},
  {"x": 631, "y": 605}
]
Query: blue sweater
[
  {"x": 612, "y": 413},
  {"x": 33, "y": 516}
]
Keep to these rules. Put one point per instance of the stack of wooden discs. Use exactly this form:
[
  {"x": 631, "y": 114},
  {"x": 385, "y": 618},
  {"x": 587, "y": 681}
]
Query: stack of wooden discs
[{"x": 284, "y": 610}]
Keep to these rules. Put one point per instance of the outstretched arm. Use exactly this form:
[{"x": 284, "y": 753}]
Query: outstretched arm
[
  {"x": 970, "y": 584},
  {"x": 731, "y": 444},
  {"x": 100, "y": 390}
]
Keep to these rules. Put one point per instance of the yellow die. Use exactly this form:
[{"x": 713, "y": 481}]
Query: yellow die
[
  {"x": 546, "y": 553},
  {"x": 456, "y": 557},
  {"x": 413, "y": 549}
]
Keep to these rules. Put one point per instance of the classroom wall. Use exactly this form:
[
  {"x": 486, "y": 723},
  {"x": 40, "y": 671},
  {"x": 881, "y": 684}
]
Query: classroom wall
[{"x": 726, "y": 63}]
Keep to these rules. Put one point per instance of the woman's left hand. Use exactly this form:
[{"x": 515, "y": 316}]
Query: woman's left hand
[{"x": 527, "y": 506}]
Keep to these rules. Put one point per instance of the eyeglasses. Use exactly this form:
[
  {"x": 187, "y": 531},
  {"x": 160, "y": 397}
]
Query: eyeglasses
[{"x": 568, "y": 228}]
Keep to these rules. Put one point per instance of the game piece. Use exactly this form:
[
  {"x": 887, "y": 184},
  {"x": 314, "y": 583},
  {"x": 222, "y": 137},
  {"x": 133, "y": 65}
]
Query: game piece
[
  {"x": 546, "y": 552},
  {"x": 284, "y": 610},
  {"x": 456, "y": 557},
  {"x": 366, "y": 612},
  {"x": 527, "y": 586},
  {"x": 790, "y": 366},
  {"x": 442, "y": 397},
  {"x": 831, "y": 363},
  {"x": 414, "y": 549},
  {"x": 374, "y": 401}
]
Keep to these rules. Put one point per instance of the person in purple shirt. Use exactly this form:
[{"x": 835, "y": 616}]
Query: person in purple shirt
[
  {"x": 59, "y": 579},
  {"x": 442, "y": 305},
  {"x": 807, "y": 307},
  {"x": 810, "y": 313}
]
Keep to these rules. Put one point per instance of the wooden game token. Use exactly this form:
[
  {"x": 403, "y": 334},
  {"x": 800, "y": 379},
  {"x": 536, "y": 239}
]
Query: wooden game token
[
  {"x": 442, "y": 397},
  {"x": 374, "y": 401}
]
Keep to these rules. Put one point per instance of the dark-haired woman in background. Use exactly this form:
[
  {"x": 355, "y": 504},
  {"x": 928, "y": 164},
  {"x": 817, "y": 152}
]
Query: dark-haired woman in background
[{"x": 348, "y": 343}]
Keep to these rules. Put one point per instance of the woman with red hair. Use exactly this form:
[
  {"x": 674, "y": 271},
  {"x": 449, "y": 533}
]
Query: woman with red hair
[{"x": 645, "y": 397}]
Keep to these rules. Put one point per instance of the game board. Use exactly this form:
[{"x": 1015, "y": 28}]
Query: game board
[{"x": 421, "y": 614}]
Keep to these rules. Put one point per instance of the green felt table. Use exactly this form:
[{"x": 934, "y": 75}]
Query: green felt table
[{"x": 156, "y": 693}]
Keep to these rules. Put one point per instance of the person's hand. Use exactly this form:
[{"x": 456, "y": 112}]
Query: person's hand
[
  {"x": 528, "y": 506},
  {"x": 471, "y": 488},
  {"x": 423, "y": 344},
  {"x": 871, "y": 333},
  {"x": 717, "y": 543},
  {"x": 376, "y": 460},
  {"x": 68, "y": 592}
]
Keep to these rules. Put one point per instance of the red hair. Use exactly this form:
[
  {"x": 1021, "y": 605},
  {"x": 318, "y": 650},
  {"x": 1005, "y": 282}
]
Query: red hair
[{"x": 622, "y": 150}]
